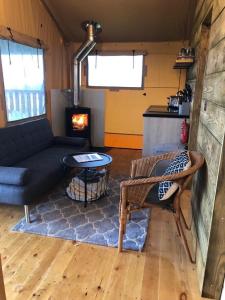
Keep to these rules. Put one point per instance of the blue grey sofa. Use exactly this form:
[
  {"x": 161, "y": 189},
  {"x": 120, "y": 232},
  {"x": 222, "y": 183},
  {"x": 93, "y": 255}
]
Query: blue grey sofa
[{"x": 30, "y": 161}]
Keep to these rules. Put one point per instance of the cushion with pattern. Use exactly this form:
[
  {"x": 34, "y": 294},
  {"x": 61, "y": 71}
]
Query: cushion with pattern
[{"x": 181, "y": 163}]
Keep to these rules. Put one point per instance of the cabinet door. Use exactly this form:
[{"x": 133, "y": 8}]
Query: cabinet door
[{"x": 161, "y": 135}]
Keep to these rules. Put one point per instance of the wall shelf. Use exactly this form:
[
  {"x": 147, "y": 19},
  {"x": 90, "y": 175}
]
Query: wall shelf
[{"x": 183, "y": 62}]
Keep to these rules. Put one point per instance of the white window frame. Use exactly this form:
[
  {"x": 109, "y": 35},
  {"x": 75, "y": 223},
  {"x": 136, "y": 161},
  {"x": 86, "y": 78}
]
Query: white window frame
[
  {"x": 116, "y": 87},
  {"x": 34, "y": 44}
]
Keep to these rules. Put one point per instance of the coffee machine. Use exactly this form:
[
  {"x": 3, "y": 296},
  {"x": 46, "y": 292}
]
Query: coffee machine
[
  {"x": 173, "y": 103},
  {"x": 182, "y": 96}
]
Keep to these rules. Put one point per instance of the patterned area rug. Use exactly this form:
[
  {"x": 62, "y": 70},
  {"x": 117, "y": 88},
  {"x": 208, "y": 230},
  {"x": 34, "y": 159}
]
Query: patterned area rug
[{"x": 58, "y": 216}]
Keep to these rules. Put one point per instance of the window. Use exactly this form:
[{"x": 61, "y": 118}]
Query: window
[
  {"x": 23, "y": 75},
  {"x": 125, "y": 71}
]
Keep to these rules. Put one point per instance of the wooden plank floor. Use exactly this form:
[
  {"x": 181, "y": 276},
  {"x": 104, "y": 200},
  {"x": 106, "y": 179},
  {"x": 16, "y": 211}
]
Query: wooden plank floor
[{"x": 37, "y": 267}]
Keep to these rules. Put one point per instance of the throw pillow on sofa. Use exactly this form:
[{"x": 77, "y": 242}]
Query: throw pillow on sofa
[{"x": 181, "y": 163}]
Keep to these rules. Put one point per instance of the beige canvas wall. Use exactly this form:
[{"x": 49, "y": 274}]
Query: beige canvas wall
[
  {"x": 29, "y": 17},
  {"x": 124, "y": 108}
]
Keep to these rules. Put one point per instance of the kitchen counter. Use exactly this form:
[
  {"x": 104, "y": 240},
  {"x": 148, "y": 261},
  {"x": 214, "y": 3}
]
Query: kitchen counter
[
  {"x": 162, "y": 130},
  {"x": 162, "y": 112}
]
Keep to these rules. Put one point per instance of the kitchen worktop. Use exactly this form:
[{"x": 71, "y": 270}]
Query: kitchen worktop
[{"x": 162, "y": 112}]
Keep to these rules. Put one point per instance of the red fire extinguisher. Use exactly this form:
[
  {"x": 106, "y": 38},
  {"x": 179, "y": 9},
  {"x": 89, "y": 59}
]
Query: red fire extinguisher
[{"x": 184, "y": 132}]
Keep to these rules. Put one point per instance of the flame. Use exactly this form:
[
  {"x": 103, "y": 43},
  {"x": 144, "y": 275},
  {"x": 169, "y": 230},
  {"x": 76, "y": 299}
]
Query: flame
[{"x": 80, "y": 121}]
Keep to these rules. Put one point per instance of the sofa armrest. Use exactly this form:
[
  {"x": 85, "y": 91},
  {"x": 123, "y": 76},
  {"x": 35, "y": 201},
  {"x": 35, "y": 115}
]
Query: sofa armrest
[
  {"x": 14, "y": 175},
  {"x": 72, "y": 141}
]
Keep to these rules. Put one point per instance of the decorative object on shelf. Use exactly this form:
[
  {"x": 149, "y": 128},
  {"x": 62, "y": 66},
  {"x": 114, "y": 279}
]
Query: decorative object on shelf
[{"x": 185, "y": 58}]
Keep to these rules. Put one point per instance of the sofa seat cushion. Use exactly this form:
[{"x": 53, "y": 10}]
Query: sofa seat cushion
[{"x": 45, "y": 170}]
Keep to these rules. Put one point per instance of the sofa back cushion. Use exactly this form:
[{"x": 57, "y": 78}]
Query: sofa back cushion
[{"x": 21, "y": 141}]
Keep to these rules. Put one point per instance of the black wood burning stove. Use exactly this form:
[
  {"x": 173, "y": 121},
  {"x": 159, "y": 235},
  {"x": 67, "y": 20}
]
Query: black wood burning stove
[{"x": 78, "y": 122}]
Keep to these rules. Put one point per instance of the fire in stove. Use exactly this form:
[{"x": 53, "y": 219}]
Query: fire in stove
[{"x": 79, "y": 121}]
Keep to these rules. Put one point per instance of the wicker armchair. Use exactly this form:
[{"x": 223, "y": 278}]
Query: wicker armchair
[{"x": 133, "y": 192}]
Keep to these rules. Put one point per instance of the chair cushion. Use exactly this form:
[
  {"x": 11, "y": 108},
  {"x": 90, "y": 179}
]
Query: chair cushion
[
  {"x": 158, "y": 170},
  {"x": 181, "y": 163}
]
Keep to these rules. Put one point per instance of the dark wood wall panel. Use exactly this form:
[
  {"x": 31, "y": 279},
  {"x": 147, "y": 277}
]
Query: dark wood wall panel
[
  {"x": 200, "y": 69},
  {"x": 217, "y": 30},
  {"x": 202, "y": 205},
  {"x": 198, "y": 7},
  {"x": 211, "y": 148},
  {"x": 203, "y": 198},
  {"x": 216, "y": 59},
  {"x": 214, "y": 119},
  {"x": 202, "y": 239},
  {"x": 207, "y": 144},
  {"x": 215, "y": 265},
  {"x": 200, "y": 16},
  {"x": 208, "y": 190},
  {"x": 213, "y": 88},
  {"x": 219, "y": 5}
]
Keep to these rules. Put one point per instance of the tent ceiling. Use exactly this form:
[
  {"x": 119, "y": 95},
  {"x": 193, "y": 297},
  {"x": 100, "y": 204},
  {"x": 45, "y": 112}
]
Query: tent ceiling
[{"x": 125, "y": 20}]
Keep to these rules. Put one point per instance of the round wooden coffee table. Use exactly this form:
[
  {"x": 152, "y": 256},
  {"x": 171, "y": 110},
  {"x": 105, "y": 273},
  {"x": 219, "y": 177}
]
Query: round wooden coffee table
[{"x": 93, "y": 174}]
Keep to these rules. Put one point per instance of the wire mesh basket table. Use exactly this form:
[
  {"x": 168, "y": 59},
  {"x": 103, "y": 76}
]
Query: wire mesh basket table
[{"x": 91, "y": 181}]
